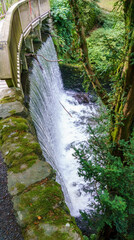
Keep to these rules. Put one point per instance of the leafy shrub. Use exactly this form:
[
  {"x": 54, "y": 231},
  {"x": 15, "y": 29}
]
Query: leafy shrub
[
  {"x": 64, "y": 27},
  {"x": 8, "y": 4},
  {"x": 111, "y": 183},
  {"x": 90, "y": 13},
  {"x": 105, "y": 47},
  {"x": 67, "y": 41}
]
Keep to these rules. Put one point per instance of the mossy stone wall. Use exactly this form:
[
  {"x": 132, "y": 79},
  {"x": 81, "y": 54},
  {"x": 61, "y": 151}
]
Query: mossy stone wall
[{"x": 37, "y": 198}]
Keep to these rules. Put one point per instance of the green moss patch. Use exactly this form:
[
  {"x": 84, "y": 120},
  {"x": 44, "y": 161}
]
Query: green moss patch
[
  {"x": 14, "y": 95},
  {"x": 18, "y": 145},
  {"x": 12, "y": 112},
  {"x": 29, "y": 163},
  {"x": 39, "y": 233},
  {"x": 12, "y": 125},
  {"x": 43, "y": 201},
  {"x": 20, "y": 187},
  {"x": 35, "y": 175}
]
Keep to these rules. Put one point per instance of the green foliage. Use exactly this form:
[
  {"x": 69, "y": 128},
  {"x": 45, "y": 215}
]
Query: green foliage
[
  {"x": 64, "y": 28},
  {"x": 85, "y": 238},
  {"x": 66, "y": 42},
  {"x": 90, "y": 13},
  {"x": 105, "y": 47},
  {"x": 111, "y": 183},
  {"x": 8, "y": 4}
]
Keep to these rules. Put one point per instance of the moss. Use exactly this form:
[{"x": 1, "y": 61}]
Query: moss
[
  {"x": 12, "y": 124},
  {"x": 22, "y": 154},
  {"x": 46, "y": 201},
  {"x": 59, "y": 235},
  {"x": 12, "y": 112},
  {"x": 19, "y": 128},
  {"x": 7, "y": 99},
  {"x": 18, "y": 143},
  {"x": 19, "y": 156},
  {"x": 17, "y": 168},
  {"x": 41, "y": 234},
  {"x": 20, "y": 187},
  {"x": 16, "y": 96}
]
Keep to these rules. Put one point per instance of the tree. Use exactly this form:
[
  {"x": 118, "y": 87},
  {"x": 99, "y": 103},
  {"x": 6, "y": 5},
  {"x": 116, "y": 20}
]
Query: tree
[
  {"x": 3, "y": 6},
  {"x": 121, "y": 109}
]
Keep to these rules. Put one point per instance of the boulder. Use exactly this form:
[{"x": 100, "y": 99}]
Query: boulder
[
  {"x": 17, "y": 182},
  {"x": 82, "y": 97},
  {"x": 12, "y": 108}
]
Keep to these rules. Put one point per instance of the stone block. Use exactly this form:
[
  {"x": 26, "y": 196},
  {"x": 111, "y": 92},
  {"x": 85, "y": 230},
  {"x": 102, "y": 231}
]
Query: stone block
[{"x": 17, "y": 182}]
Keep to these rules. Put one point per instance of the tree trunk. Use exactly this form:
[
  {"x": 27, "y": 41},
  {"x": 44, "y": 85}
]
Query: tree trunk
[
  {"x": 84, "y": 51},
  {"x": 124, "y": 109},
  {"x": 3, "y": 6}
]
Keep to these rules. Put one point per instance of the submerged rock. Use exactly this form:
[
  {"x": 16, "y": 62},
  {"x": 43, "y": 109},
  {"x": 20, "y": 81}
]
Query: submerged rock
[{"x": 82, "y": 97}]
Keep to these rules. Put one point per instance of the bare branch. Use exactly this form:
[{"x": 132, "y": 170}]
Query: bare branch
[
  {"x": 65, "y": 109},
  {"x": 36, "y": 55}
]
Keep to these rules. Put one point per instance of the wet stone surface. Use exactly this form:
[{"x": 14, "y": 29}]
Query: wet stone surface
[{"x": 9, "y": 229}]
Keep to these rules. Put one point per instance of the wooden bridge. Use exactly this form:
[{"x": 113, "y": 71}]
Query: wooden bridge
[{"x": 22, "y": 21}]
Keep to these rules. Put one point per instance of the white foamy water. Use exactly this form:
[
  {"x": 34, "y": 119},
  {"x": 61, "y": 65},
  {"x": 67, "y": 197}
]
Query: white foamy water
[
  {"x": 72, "y": 133},
  {"x": 57, "y": 131}
]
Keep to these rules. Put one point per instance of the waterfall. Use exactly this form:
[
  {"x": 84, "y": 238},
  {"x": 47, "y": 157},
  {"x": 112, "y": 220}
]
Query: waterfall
[
  {"x": 51, "y": 110},
  {"x": 45, "y": 90}
]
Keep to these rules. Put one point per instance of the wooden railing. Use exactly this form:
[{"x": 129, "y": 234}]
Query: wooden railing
[{"x": 20, "y": 19}]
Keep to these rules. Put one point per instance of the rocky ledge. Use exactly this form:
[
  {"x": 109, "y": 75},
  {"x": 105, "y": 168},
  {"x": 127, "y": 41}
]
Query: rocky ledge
[{"x": 38, "y": 201}]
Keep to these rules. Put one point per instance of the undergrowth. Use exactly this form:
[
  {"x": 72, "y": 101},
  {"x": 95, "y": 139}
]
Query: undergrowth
[{"x": 106, "y": 47}]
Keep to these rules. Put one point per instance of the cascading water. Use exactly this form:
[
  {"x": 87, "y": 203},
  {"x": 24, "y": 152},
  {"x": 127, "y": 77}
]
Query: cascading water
[{"x": 60, "y": 122}]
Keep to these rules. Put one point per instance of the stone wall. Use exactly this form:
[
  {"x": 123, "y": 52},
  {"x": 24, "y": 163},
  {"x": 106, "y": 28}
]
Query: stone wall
[{"x": 37, "y": 198}]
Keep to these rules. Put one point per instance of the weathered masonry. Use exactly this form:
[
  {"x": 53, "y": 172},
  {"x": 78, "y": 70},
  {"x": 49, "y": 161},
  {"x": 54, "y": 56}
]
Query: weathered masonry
[{"x": 22, "y": 20}]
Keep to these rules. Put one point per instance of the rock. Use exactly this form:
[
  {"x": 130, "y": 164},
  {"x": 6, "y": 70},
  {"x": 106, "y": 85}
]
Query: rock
[
  {"x": 82, "y": 97},
  {"x": 93, "y": 98},
  {"x": 45, "y": 200},
  {"x": 11, "y": 95},
  {"x": 53, "y": 232},
  {"x": 12, "y": 108},
  {"x": 48, "y": 231},
  {"x": 42, "y": 214},
  {"x": 19, "y": 181}
]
